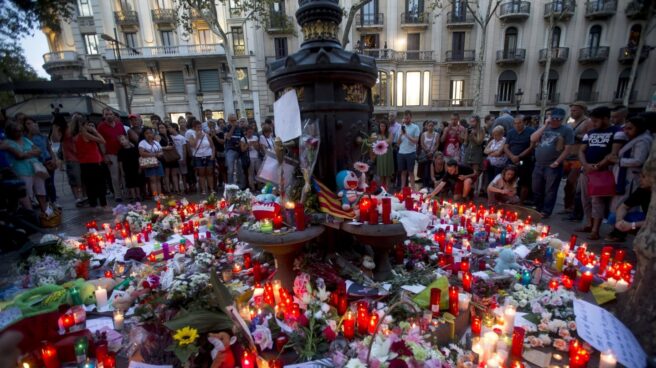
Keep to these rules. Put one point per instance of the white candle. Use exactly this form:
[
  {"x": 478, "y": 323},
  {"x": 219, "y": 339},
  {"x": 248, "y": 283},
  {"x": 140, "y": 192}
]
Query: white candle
[
  {"x": 492, "y": 362},
  {"x": 621, "y": 286},
  {"x": 101, "y": 297},
  {"x": 489, "y": 343},
  {"x": 508, "y": 319},
  {"x": 118, "y": 320},
  {"x": 277, "y": 284},
  {"x": 612, "y": 282},
  {"x": 463, "y": 301},
  {"x": 607, "y": 360}
]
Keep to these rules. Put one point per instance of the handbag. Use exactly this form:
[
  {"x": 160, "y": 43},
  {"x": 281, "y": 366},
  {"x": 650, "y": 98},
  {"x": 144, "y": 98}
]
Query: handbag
[
  {"x": 40, "y": 170},
  {"x": 601, "y": 183},
  {"x": 171, "y": 155},
  {"x": 148, "y": 162}
]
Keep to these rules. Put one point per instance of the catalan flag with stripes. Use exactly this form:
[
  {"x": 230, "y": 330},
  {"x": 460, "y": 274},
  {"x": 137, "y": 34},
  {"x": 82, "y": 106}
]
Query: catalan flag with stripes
[{"x": 329, "y": 202}]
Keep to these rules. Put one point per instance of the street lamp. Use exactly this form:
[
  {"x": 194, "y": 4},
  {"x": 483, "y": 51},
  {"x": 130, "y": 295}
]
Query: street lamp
[
  {"x": 199, "y": 99},
  {"x": 518, "y": 98}
]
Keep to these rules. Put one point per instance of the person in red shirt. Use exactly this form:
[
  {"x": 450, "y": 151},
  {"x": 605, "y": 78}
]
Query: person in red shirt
[
  {"x": 88, "y": 153},
  {"x": 111, "y": 129}
]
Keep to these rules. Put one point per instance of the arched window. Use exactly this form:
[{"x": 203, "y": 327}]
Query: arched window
[
  {"x": 595, "y": 36},
  {"x": 622, "y": 83},
  {"x": 555, "y": 37},
  {"x": 587, "y": 84},
  {"x": 510, "y": 40},
  {"x": 506, "y": 89},
  {"x": 552, "y": 82}
]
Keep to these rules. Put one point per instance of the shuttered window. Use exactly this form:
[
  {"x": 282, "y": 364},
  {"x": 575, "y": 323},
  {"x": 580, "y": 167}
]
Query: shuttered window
[
  {"x": 139, "y": 83},
  {"x": 209, "y": 80},
  {"x": 174, "y": 82}
]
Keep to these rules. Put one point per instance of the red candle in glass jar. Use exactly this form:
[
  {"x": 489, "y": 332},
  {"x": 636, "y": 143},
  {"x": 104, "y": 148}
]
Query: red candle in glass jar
[
  {"x": 517, "y": 348},
  {"x": 247, "y": 360},
  {"x": 464, "y": 265},
  {"x": 276, "y": 363},
  {"x": 110, "y": 361},
  {"x": 348, "y": 325},
  {"x": 584, "y": 282},
  {"x": 365, "y": 204},
  {"x": 453, "y": 300},
  {"x": 373, "y": 214},
  {"x": 408, "y": 203},
  {"x": 553, "y": 284},
  {"x": 448, "y": 249},
  {"x": 49, "y": 356},
  {"x": 342, "y": 304},
  {"x": 248, "y": 261},
  {"x": 277, "y": 222},
  {"x": 387, "y": 210},
  {"x": 373, "y": 323},
  {"x": 440, "y": 238},
  {"x": 619, "y": 255},
  {"x": 407, "y": 191},
  {"x": 435, "y": 295},
  {"x": 467, "y": 280},
  {"x": 363, "y": 320},
  {"x": 299, "y": 216},
  {"x": 476, "y": 325},
  {"x": 567, "y": 282},
  {"x": 604, "y": 258}
]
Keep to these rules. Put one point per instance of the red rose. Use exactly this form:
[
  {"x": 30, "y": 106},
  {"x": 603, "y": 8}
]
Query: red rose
[
  {"x": 329, "y": 334},
  {"x": 401, "y": 348},
  {"x": 397, "y": 363}
]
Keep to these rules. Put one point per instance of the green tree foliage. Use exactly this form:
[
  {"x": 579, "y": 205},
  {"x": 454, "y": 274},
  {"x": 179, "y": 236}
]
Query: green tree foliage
[
  {"x": 22, "y": 17},
  {"x": 13, "y": 67}
]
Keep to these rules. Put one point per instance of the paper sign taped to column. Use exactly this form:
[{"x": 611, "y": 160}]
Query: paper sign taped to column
[
  {"x": 287, "y": 115},
  {"x": 603, "y": 331}
]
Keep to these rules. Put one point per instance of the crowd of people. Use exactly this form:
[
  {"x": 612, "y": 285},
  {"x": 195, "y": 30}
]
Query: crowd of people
[
  {"x": 506, "y": 159},
  {"x": 518, "y": 160}
]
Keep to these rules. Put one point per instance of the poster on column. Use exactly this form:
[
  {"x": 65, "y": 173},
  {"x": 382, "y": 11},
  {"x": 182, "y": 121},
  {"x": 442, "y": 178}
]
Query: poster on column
[
  {"x": 604, "y": 332},
  {"x": 287, "y": 115}
]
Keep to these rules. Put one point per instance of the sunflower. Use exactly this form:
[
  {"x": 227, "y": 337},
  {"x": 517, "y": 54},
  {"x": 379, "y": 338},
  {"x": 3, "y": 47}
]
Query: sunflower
[{"x": 186, "y": 335}]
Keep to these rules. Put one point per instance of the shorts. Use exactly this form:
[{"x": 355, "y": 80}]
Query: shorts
[
  {"x": 73, "y": 173},
  {"x": 154, "y": 171},
  {"x": 203, "y": 162},
  {"x": 34, "y": 185},
  {"x": 183, "y": 167},
  {"x": 406, "y": 161}
]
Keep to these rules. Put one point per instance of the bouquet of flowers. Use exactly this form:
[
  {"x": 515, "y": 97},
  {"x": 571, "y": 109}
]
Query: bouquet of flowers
[{"x": 308, "y": 152}]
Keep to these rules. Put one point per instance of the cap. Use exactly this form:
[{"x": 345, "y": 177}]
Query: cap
[
  {"x": 558, "y": 113},
  {"x": 133, "y": 116},
  {"x": 506, "y": 110},
  {"x": 580, "y": 104}
]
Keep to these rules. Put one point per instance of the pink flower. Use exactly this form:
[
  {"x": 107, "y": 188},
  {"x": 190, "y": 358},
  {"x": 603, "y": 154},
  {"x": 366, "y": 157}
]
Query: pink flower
[
  {"x": 302, "y": 285},
  {"x": 571, "y": 325},
  {"x": 564, "y": 333},
  {"x": 262, "y": 337},
  {"x": 361, "y": 167},
  {"x": 535, "y": 342},
  {"x": 561, "y": 345},
  {"x": 380, "y": 148}
]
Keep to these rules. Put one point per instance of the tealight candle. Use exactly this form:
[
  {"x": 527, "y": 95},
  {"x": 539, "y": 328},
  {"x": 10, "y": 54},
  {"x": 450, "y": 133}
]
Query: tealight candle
[
  {"x": 607, "y": 360},
  {"x": 463, "y": 301},
  {"x": 118, "y": 320},
  {"x": 621, "y": 286}
]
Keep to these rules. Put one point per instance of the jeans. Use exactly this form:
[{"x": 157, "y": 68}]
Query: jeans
[
  {"x": 545, "y": 186},
  {"x": 233, "y": 166},
  {"x": 114, "y": 173}
]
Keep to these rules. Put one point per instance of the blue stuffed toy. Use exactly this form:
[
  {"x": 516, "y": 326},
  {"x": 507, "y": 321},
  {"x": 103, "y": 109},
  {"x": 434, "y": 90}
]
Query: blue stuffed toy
[
  {"x": 507, "y": 260},
  {"x": 347, "y": 185}
]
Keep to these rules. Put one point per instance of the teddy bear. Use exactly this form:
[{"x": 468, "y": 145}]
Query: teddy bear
[
  {"x": 506, "y": 260},
  {"x": 347, "y": 185}
]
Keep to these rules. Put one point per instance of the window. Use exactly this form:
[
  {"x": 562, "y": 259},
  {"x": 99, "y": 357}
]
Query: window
[
  {"x": 510, "y": 42},
  {"x": 209, "y": 80},
  {"x": 280, "y": 44},
  {"x": 426, "y": 90},
  {"x": 414, "y": 7},
  {"x": 622, "y": 83},
  {"x": 457, "y": 92},
  {"x": 235, "y": 8},
  {"x": 413, "y": 46},
  {"x": 173, "y": 82},
  {"x": 392, "y": 80},
  {"x": 203, "y": 37},
  {"x": 278, "y": 7},
  {"x": 162, "y": 4},
  {"x": 139, "y": 84},
  {"x": 126, "y": 5},
  {"x": 91, "y": 44},
  {"x": 458, "y": 10},
  {"x": 84, "y": 8},
  {"x": 587, "y": 84},
  {"x": 595, "y": 37},
  {"x": 399, "y": 89},
  {"x": 506, "y": 90},
  {"x": 412, "y": 88},
  {"x": 370, "y": 41},
  {"x": 238, "y": 43},
  {"x": 242, "y": 77},
  {"x": 458, "y": 45},
  {"x": 131, "y": 42},
  {"x": 167, "y": 42},
  {"x": 552, "y": 81},
  {"x": 379, "y": 91},
  {"x": 369, "y": 13},
  {"x": 555, "y": 37},
  {"x": 634, "y": 36}
]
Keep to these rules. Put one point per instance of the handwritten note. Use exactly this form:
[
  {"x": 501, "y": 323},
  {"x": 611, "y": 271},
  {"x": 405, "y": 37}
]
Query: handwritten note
[
  {"x": 287, "y": 116},
  {"x": 134, "y": 364},
  {"x": 605, "y": 332}
]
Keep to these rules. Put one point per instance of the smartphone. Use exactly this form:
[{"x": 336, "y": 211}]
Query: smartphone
[{"x": 403, "y": 129}]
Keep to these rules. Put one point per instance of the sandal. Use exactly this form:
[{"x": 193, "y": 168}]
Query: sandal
[
  {"x": 594, "y": 237},
  {"x": 585, "y": 229}
]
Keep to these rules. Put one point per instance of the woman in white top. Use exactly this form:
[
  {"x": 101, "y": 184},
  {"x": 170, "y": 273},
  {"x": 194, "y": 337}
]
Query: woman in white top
[
  {"x": 266, "y": 138},
  {"x": 149, "y": 147},
  {"x": 503, "y": 189},
  {"x": 494, "y": 150},
  {"x": 254, "y": 156},
  {"x": 202, "y": 150},
  {"x": 180, "y": 143},
  {"x": 429, "y": 143}
]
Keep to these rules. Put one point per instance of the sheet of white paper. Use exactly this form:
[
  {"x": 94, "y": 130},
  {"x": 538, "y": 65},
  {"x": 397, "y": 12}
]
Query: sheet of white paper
[
  {"x": 97, "y": 324},
  {"x": 604, "y": 332},
  {"x": 416, "y": 289},
  {"x": 521, "y": 322},
  {"x": 134, "y": 364},
  {"x": 522, "y": 251},
  {"x": 313, "y": 364},
  {"x": 287, "y": 116}
]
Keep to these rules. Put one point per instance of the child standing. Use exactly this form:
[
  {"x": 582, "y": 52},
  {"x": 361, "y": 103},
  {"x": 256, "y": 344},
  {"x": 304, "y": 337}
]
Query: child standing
[{"x": 128, "y": 156}]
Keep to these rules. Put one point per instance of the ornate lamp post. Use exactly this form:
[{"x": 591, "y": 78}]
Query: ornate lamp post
[{"x": 518, "y": 98}]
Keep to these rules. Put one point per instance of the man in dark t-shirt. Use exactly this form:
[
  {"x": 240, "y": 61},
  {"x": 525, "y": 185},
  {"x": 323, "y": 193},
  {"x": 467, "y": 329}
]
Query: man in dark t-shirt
[
  {"x": 519, "y": 150},
  {"x": 458, "y": 180}
]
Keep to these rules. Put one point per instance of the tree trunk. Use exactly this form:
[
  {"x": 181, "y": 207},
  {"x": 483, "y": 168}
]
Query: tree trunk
[
  {"x": 480, "y": 64},
  {"x": 637, "y": 307},
  {"x": 544, "y": 94},
  {"x": 636, "y": 61},
  {"x": 349, "y": 21}
]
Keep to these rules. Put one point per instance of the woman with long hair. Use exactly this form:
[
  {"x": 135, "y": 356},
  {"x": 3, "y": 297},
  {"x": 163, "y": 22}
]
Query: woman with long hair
[
  {"x": 87, "y": 140},
  {"x": 385, "y": 162},
  {"x": 149, "y": 147},
  {"x": 474, "y": 146},
  {"x": 62, "y": 132},
  {"x": 429, "y": 141},
  {"x": 202, "y": 151},
  {"x": 169, "y": 167},
  {"x": 22, "y": 154},
  {"x": 180, "y": 144}
]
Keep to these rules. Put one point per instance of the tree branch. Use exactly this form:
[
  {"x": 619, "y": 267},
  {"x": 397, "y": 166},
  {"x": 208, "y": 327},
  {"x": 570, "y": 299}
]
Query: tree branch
[{"x": 349, "y": 21}]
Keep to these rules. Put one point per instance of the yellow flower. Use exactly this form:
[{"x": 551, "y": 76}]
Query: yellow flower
[{"x": 186, "y": 335}]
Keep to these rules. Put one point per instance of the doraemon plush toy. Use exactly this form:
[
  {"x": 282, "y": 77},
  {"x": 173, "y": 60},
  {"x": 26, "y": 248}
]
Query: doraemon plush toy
[{"x": 347, "y": 185}]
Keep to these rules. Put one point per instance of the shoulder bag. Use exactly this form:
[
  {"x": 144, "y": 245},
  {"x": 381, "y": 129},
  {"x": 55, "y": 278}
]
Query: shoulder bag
[{"x": 148, "y": 162}]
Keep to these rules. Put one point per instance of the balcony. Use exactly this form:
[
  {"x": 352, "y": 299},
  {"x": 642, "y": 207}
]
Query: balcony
[
  {"x": 462, "y": 19},
  {"x": 414, "y": 20},
  {"x": 380, "y": 54},
  {"x": 452, "y": 103},
  {"x": 514, "y": 11},
  {"x": 414, "y": 55},
  {"x": 627, "y": 54},
  {"x": 552, "y": 99},
  {"x": 561, "y": 9},
  {"x": 280, "y": 24},
  {"x": 593, "y": 55},
  {"x": 559, "y": 55},
  {"x": 461, "y": 56},
  {"x": 127, "y": 19},
  {"x": 61, "y": 60},
  {"x": 504, "y": 100},
  {"x": 165, "y": 18},
  {"x": 166, "y": 52},
  {"x": 399, "y": 56},
  {"x": 618, "y": 97},
  {"x": 370, "y": 21},
  {"x": 587, "y": 96},
  {"x": 637, "y": 10},
  {"x": 600, "y": 9},
  {"x": 511, "y": 57}
]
